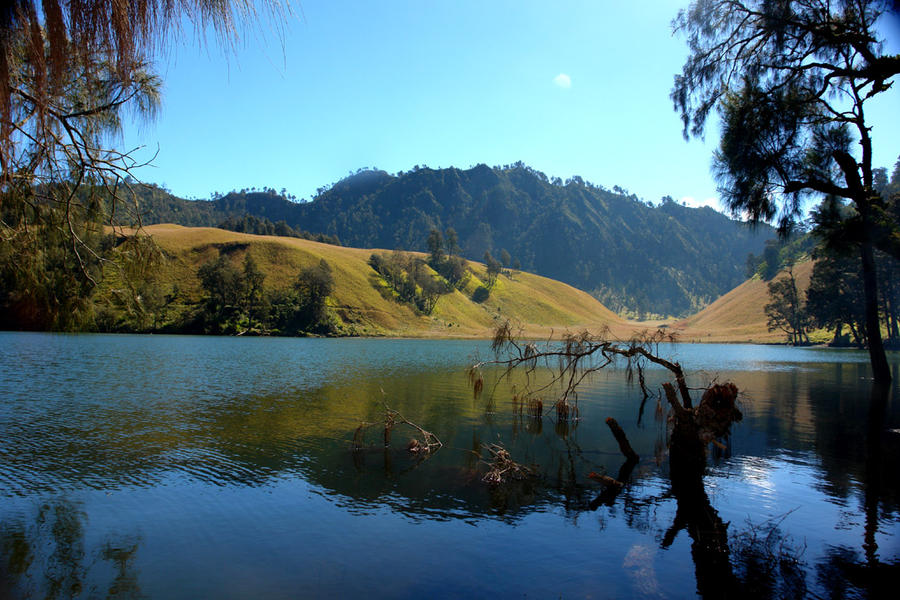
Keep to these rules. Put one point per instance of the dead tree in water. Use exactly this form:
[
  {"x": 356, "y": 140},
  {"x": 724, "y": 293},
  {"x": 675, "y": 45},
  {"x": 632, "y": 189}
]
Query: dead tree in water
[{"x": 575, "y": 358}]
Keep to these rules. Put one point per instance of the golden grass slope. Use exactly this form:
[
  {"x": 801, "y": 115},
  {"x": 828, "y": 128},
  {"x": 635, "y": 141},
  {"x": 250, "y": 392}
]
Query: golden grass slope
[
  {"x": 541, "y": 305},
  {"x": 739, "y": 315}
]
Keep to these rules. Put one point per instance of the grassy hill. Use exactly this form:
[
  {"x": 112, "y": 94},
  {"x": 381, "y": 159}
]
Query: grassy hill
[
  {"x": 359, "y": 300},
  {"x": 739, "y": 315}
]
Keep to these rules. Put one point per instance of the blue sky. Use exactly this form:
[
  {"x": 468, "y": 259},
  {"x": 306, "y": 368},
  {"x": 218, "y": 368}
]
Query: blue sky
[{"x": 568, "y": 87}]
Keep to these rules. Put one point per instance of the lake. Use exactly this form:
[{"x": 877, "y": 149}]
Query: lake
[{"x": 189, "y": 467}]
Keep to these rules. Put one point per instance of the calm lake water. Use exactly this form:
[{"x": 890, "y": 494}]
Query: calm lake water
[{"x": 189, "y": 467}]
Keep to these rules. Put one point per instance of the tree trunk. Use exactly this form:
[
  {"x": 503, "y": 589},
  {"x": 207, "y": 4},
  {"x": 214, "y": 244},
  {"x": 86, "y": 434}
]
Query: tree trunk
[
  {"x": 886, "y": 304},
  {"x": 694, "y": 513},
  {"x": 857, "y": 337},
  {"x": 837, "y": 334},
  {"x": 894, "y": 332},
  {"x": 888, "y": 287},
  {"x": 880, "y": 370}
]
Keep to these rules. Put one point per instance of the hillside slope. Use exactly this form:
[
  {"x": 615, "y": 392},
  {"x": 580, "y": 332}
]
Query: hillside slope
[
  {"x": 739, "y": 315},
  {"x": 667, "y": 259},
  {"x": 541, "y": 305}
]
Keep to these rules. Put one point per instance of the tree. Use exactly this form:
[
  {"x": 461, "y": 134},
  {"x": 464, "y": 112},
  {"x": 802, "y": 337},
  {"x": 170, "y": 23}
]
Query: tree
[
  {"x": 429, "y": 290},
  {"x": 253, "y": 289},
  {"x": 451, "y": 241},
  {"x": 834, "y": 296},
  {"x": 103, "y": 47},
  {"x": 790, "y": 80},
  {"x": 314, "y": 285},
  {"x": 69, "y": 71},
  {"x": 493, "y": 268},
  {"x": 44, "y": 284},
  {"x": 786, "y": 310},
  {"x": 436, "y": 246},
  {"x": 771, "y": 259},
  {"x": 226, "y": 294}
]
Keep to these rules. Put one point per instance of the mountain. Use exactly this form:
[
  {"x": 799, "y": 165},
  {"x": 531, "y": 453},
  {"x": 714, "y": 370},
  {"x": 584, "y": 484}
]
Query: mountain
[{"x": 634, "y": 257}]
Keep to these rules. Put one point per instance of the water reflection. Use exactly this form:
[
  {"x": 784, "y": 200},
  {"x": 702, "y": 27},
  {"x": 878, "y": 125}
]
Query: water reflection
[
  {"x": 214, "y": 463},
  {"x": 45, "y": 555}
]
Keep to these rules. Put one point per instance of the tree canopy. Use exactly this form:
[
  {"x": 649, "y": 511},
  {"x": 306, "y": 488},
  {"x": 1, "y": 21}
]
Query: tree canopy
[
  {"x": 70, "y": 72},
  {"x": 790, "y": 81},
  {"x": 67, "y": 67}
]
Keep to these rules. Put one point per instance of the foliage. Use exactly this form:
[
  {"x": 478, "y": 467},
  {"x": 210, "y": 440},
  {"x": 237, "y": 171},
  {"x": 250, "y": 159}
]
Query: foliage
[
  {"x": 493, "y": 269},
  {"x": 263, "y": 226},
  {"x": 410, "y": 279},
  {"x": 481, "y": 294},
  {"x": 791, "y": 80},
  {"x": 237, "y": 303},
  {"x": 46, "y": 277},
  {"x": 786, "y": 310}
]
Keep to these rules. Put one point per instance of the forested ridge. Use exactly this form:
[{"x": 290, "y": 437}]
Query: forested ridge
[{"x": 643, "y": 259}]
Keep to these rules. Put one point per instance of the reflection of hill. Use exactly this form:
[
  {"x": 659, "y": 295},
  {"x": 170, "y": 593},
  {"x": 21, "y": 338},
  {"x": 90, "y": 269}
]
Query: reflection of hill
[
  {"x": 448, "y": 483},
  {"x": 188, "y": 409},
  {"x": 253, "y": 439}
]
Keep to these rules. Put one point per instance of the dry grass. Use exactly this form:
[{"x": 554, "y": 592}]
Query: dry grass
[
  {"x": 541, "y": 305},
  {"x": 739, "y": 315}
]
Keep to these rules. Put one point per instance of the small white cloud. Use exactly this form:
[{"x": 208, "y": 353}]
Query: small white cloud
[{"x": 562, "y": 80}]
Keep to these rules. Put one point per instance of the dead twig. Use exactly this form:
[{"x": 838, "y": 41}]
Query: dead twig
[
  {"x": 503, "y": 468},
  {"x": 423, "y": 445}
]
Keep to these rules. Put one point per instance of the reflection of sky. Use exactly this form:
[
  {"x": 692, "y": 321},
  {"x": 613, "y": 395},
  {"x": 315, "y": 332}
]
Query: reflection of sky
[
  {"x": 754, "y": 357},
  {"x": 789, "y": 492},
  {"x": 736, "y": 357}
]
